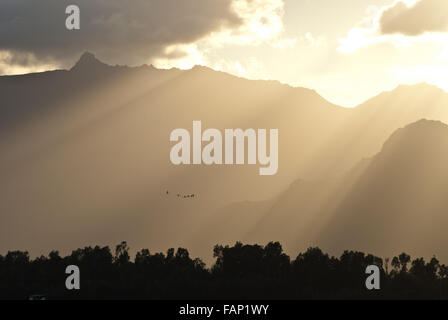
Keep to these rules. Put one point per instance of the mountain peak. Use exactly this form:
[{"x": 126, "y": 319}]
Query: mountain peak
[
  {"x": 422, "y": 133},
  {"x": 424, "y": 127},
  {"x": 88, "y": 61}
]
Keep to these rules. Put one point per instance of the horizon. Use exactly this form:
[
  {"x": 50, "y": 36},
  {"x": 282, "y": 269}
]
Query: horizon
[{"x": 235, "y": 75}]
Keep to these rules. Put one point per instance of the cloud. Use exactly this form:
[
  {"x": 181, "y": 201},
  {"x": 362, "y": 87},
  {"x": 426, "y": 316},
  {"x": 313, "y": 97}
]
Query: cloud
[
  {"x": 21, "y": 63},
  {"x": 413, "y": 20},
  {"x": 164, "y": 32},
  {"x": 180, "y": 56},
  {"x": 403, "y": 24},
  {"x": 249, "y": 67},
  {"x": 261, "y": 23},
  {"x": 117, "y": 30}
]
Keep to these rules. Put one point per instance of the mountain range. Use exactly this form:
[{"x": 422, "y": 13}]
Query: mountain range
[{"x": 84, "y": 158}]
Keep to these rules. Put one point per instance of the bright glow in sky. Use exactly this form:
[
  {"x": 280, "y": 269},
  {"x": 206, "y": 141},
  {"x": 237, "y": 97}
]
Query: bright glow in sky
[{"x": 335, "y": 47}]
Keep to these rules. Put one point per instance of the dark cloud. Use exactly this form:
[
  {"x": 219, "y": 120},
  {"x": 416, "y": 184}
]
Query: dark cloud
[
  {"x": 119, "y": 31},
  {"x": 424, "y": 16}
]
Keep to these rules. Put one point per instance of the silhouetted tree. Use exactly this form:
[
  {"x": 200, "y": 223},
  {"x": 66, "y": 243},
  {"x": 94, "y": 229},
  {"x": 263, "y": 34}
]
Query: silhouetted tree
[{"x": 240, "y": 271}]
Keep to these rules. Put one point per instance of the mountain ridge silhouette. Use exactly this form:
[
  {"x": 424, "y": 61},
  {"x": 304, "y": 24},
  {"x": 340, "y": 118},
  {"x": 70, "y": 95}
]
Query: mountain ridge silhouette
[{"x": 396, "y": 198}]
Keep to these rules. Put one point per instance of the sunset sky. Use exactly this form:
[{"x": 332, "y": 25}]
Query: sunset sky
[{"x": 347, "y": 50}]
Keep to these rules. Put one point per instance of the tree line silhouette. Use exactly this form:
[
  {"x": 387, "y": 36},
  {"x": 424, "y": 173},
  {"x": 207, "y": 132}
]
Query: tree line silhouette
[{"x": 239, "y": 272}]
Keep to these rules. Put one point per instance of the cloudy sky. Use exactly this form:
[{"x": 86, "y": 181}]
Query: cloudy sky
[{"x": 348, "y": 50}]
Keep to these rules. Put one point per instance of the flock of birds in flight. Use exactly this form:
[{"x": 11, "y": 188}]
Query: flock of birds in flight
[{"x": 185, "y": 196}]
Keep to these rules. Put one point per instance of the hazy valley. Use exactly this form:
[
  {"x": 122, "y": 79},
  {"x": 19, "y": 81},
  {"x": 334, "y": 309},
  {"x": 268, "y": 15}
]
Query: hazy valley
[{"x": 84, "y": 158}]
